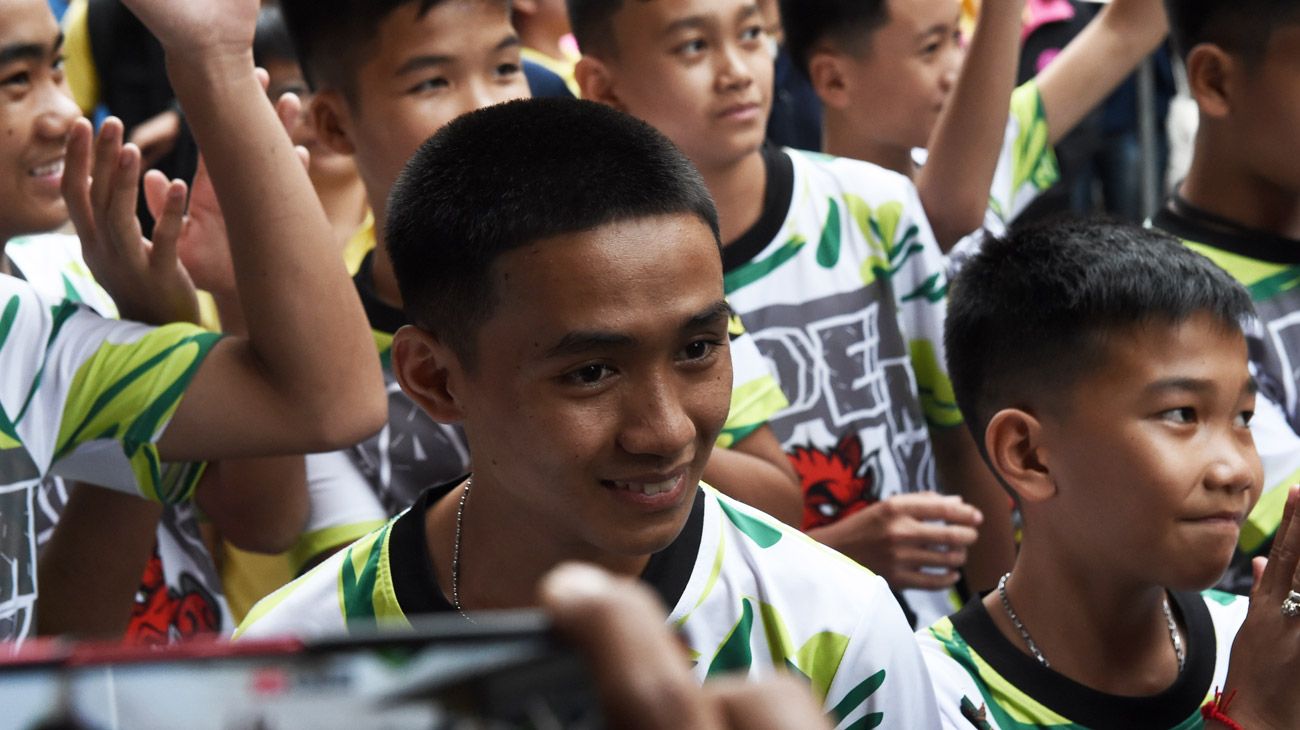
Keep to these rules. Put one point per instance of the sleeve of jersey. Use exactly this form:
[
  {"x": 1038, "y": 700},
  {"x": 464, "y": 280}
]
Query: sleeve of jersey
[
  {"x": 920, "y": 286},
  {"x": 1279, "y": 450},
  {"x": 343, "y": 506},
  {"x": 115, "y": 386},
  {"x": 1027, "y": 165},
  {"x": 961, "y": 704},
  {"x": 755, "y": 395},
  {"x": 881, "y": 680},
  {"x": 309, "y": 606}
]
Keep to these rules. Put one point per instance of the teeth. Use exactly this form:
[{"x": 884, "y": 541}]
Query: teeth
[
  {"x": 54, "y": 168},
  {"x": 649, "y": 489}
]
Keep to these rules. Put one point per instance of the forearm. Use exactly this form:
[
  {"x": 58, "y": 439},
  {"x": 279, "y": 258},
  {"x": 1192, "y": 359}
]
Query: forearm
[
  {"x": 91, "y": 568},
  {"x": 963, "y": 472},
  {"x": 258, "y": 505},
  {"x": 1097, "y": 60},
  {"x": 967, "y": 141},
  {"x": 757, "y": 481}
]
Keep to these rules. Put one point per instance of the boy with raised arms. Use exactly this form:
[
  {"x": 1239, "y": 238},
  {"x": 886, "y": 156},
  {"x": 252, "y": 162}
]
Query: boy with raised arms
[
  {"x": 1240, "y": 206},
  {"x": 833, "y": 269},
  {"x": 387, "y": 75},
  {"x": 568, "y": 309},
  {"x": 1105, "y": 369},
  {"x": 894, "y": 78},
  {"x": 107, "y": 401}
]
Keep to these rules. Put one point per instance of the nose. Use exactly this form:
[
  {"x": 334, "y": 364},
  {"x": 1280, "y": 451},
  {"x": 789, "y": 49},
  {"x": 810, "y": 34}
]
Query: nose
[
  {"x": 1236, "y": 465},
  {"x": 656, "y": 421},
  {"x": 57, "y": 113},
  {"x": 734, "y": 73}
]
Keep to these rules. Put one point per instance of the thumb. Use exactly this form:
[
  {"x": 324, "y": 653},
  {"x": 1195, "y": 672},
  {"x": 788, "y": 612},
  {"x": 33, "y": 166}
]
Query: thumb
[{"x": 156, "y": 186}]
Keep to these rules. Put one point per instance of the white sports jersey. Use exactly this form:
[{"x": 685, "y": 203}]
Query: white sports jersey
[
  {"x": 984, "y": 681},
  {"x": 86, "y": 398},
  {"x": 748, "y": 593}
]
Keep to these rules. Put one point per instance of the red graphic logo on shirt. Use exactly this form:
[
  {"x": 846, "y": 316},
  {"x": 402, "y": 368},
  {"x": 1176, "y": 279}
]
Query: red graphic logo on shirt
[
  {"x": 163, "y": 615},
  {"x": 836, "y": 483}
]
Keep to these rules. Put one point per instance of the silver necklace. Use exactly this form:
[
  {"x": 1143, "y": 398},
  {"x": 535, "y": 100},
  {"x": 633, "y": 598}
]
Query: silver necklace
[
  {"x": 455, "y": 552},
  {"x": 1033, "y": 648}
]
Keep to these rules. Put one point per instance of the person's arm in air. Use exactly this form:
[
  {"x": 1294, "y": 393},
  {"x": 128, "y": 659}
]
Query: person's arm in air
[
  {"x": 306, "y": 377},
  {"x": 967, "y": 141}
]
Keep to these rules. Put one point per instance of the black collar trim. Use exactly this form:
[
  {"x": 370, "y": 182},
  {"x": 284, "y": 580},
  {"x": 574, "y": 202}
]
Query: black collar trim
[
  {"x": 1086, "y": 706},
  {"x": 415, "y": 580},
  {"x": 382, "y": 317},
  {"x": 1198, "y": 225},
  {"x": 778, "y": 196}
]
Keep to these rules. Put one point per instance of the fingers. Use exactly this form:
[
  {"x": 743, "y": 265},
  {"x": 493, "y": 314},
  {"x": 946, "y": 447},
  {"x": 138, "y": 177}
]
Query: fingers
[
  {"x": 1279, "y": 575},
  {"x": 108, "y": 147},
  {"x": 155, "y": 186},
  {"x": 931, "y": 506},
  {"x": 124, "y": 193},
  {"x": 76, "y": 180},
  {"x": 169, "y": 221},
  {"x": 289, "y": 109},
  {"x": 618, "y": 625}
]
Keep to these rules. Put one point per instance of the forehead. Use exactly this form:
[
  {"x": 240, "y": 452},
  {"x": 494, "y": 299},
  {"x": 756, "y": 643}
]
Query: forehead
[
  {"x": 26, "y": 22},
  {"x": 651, "y": 18},
  {"x": 453, "y": 30},
  {"x": 916, "y": 17},
  {"x": 1200, "y": 347},
  {"x": 641, "y": 277}
]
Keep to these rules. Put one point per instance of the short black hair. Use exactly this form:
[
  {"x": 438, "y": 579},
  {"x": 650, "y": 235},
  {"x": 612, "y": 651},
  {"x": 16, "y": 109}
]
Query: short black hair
[
  {"x": 1241, "y": 27},
  {"x": 333, "y": 37},
  {"x": 592, "y": 23},
  {"x": 272, "y": 41},
  {"x": 1031, "y": 313},
  {"x": 509, "y": 175},
  {"x": 846, "y": 23}
]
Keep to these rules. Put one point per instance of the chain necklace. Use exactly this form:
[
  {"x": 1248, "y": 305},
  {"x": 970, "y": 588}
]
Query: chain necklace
[
  {"x": 455, "y": 552},
  {"x": 1033, "y": 648}
]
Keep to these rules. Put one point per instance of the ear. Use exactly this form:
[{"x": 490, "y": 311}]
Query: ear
[
  {"x": 596, "y": 82},
  {"x": 428, "y": 372},
  {"x": 1014, "y": 441},
  {"x": 332, "y": 119},
  {"x": 826, "y": 70},
  {"x": 1210, "y": 76}
]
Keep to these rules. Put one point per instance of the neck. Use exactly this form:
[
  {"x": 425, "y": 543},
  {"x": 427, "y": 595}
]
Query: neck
[
  {"x": 843, "y": 139},
  {"x": 737, "y": 190},
  {"x": 382, "y": 273},
  {"x": 345, "y": 203},
  {"x": 1219, "y": 183},
  {"x": 503, "y": 553},
  {"x": 1103, "y": 632}
]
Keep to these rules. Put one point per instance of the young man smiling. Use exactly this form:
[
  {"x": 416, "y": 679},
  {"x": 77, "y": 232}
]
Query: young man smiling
[{"x": 568, "y": 310}]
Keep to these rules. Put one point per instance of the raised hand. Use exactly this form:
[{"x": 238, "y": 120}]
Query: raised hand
[
  {"x": 145, "y": 278},
  {"x": 199, "y": 27},
  {"x": 911, "y": 540},
  {"x": 1266, "y": 653}
]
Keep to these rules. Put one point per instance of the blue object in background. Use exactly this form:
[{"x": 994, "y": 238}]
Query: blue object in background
[{"x": 59, "y": 7}]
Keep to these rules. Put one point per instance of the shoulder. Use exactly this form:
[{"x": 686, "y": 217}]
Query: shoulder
[
  {"x": 307, "y": 606},
  {"x": 53, "y": 265},
  {"x": 821, "y": 170},
  {"x": 954, "y": 674}
]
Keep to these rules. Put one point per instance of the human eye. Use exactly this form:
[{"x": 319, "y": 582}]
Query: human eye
[
  {"x": 1243, "y": 419},
  {"x": 587, "y": 376},
  {"x": 508, "y": 69},
  {"x": 1179, "y": 416},
  {"x": 16, "y": 80},
  {"x": 691, "y": 47},
  {"x": 435, "y": 84},
  {"x": 701, "y": 351},
  {"x": 752, "y": 33}
]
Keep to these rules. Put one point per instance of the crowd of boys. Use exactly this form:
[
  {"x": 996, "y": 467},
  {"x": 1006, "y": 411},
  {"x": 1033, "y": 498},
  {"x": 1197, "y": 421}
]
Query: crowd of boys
[{"x": 811, "y": 401}]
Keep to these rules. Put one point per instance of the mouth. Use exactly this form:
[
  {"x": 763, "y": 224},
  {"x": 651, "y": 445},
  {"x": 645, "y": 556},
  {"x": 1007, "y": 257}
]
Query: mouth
[
  {"x": 740, "y": 112},
  {"x": 1225, "y": 517},
  {"x": 648, "y": 486},
  {"x": 53, "y": 169}
]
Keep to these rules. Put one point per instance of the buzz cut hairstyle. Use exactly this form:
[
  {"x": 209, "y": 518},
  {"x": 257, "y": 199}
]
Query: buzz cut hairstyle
[
  {"x": 272, "y": 42},
  {"x": 511, "y": 175},
  {"x": 335, "y": 37},
  {"x": 1240, "y": 27},
  {"x": 592, "y": 23},
  {"x": 847, "y": 24},
  {"x": 1033, "y": 312}
]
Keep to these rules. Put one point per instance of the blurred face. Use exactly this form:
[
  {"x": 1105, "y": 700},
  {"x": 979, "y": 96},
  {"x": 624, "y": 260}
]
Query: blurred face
[
  {"x": 423, "y": 72},
  {"x": 326, "y": 164},
  {"x": 700, "y": 71},
  {"x": 36, "y": 112},
  {"x": 1266, "y": 114},
  {"x": 898, "y": 87},
  {"x": 1152, "y": 456},
  {"x": 603, "y": 380}
]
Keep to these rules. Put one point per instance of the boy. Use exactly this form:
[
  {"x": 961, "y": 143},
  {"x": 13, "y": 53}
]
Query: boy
[
  {"x": 982, "y": 168},
  {"x": 1105, "y": 369},
  {"x": 1240, "y": 206},
  {"x": 579, "y": 332},
  {"x": 386, "y": 76},
  {"x": 85, "y": 397},
  {"x": 832, "y": 267}
]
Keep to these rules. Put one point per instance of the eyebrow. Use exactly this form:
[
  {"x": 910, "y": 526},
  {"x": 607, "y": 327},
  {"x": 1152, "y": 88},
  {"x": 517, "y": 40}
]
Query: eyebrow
[
  {"x": 578, "y": 342},
  {"x": 1196, "y": 385},
  {"x": 29, "y": 51},
  {"x": 692, "y": 22},
  {"x": 421, "y": 63}
]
